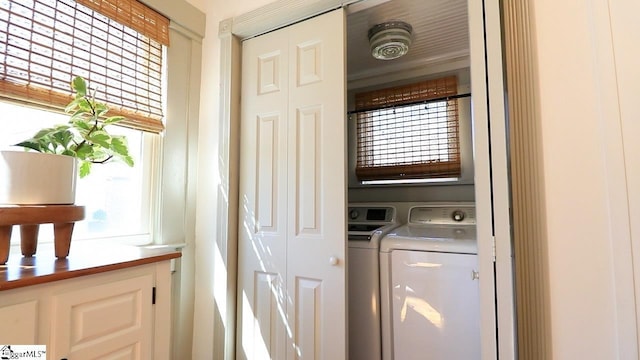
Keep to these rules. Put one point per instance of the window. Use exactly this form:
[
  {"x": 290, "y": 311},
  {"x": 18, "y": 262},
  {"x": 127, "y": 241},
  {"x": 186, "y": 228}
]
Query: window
[
  {"x": 118, "y": 46},
  {"x": 117, "y": 49},
  {"x": 116, "y": 197},
  {"x": 408, "y": 133}
]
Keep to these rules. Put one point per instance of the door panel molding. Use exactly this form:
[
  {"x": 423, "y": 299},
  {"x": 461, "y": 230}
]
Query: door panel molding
[
  {"x": 266, "y": 173},
  {"x": 309, "y": 63},
  {"x": 269, "y": 73},
  {"x": 309, "y": 175}
]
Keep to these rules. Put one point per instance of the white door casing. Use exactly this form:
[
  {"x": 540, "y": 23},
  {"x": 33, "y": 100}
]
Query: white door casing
[
  {"x": 491, "y": 182},
  {"x": 292, "y": 231}
]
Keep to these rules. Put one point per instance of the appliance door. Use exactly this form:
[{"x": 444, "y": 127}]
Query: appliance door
[
  {"x": 364, "y": 308},
  {"x": 435, "y": 310}
]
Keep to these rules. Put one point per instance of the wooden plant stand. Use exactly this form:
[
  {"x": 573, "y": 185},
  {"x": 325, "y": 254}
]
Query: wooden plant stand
[{"x": 63, "y": 217}]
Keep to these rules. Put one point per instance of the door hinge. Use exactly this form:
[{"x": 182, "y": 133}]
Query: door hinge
[
  {"x": 153, "y": 295},
  {"x": 493, "y": 248}
]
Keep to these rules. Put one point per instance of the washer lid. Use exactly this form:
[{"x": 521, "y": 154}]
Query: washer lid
[{"x": 449, "y": 239}]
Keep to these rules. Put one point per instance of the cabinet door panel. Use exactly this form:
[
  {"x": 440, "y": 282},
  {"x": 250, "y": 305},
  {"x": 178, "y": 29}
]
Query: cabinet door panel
[{"x": 110, "y": 321}]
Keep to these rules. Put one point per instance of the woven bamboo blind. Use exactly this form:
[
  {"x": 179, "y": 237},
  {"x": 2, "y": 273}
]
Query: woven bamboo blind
[
  {"x": 403, "y": 135},
  {"x": 135, "y": 15},
  {"x": 45, "y": 43}
]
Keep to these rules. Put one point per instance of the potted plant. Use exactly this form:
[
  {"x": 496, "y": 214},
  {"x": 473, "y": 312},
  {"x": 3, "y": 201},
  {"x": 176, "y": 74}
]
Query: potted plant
[{"x": 48, "y": 175}]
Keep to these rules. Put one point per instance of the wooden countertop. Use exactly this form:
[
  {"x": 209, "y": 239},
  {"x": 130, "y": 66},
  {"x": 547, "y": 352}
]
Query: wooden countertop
[{"x": 85, "y": 258}]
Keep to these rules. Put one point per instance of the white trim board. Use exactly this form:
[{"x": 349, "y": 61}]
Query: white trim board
[{"x": 279, "y": 14}]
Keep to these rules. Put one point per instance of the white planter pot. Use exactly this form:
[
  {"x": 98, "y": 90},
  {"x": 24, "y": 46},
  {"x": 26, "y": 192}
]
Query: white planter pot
[{"x": 31, "y": 178}]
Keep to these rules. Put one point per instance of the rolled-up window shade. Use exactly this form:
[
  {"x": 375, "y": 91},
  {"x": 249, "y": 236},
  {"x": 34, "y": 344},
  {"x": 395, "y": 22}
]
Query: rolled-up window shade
[
  {"x": 403, "y": 135},
  {"x": 135, "y": 15},
  {"x": 45, "y": 43}
]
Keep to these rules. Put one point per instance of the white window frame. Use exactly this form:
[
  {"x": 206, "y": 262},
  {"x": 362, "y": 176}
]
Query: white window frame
[{"x": 148, "y": 168}]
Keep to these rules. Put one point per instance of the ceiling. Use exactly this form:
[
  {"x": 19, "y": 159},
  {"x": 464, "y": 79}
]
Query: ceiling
[{"x": 440, "y": 34}]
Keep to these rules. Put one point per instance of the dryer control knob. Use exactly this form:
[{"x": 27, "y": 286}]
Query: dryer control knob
[
  {"x": 457, "y": 215},
  {"x": 353, "y": 214}
]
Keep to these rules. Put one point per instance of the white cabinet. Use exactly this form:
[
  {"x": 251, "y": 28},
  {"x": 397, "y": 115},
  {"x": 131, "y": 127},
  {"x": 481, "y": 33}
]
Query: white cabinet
[{"x": 120, "y": 314}]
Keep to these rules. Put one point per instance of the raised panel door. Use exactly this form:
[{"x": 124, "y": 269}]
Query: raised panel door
[
  {"x": 316, "y": 245},
  {"x": 108, "y": 321},
  {"x": 262, "y": 234},
  {"x": 292, "y": 235}
]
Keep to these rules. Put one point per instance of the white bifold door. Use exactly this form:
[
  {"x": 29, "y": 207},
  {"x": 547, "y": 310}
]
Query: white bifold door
[{"x": 292, "y": 231}]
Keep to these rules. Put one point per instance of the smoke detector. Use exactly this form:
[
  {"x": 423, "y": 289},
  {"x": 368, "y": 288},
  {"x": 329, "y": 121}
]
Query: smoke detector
[{"x": 390, "y": 40}]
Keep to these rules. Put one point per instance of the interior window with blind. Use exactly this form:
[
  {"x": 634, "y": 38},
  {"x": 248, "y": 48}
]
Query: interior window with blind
[
  {"x": 408, "y": 133},
  {"x": 118, "y": 47}
]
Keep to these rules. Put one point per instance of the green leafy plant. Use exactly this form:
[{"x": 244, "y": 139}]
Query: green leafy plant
[{"x": 84, "y": 136}]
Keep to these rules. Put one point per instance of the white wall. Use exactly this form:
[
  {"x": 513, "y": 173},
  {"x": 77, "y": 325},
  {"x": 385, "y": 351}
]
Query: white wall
[
  {"x": 625, "y": 37},
  {"x": 589, "y": 242},
  {"x": 208, "y": 335},
  {"x": 177, "y": 181}
]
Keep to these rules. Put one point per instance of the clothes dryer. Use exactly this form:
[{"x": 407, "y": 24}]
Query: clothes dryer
[{"x": 429, "y": 288}]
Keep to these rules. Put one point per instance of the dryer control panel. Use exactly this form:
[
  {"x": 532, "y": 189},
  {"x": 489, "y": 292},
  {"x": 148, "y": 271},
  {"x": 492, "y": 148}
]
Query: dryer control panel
[
  {"x": 442, "y": 215},
  {"x": 378, "y": 215}
]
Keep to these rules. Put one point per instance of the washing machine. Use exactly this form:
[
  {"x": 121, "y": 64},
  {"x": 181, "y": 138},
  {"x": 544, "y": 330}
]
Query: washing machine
[
  {"x": 367, "y": 224},
  {"x": 429, "y": 285}
]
